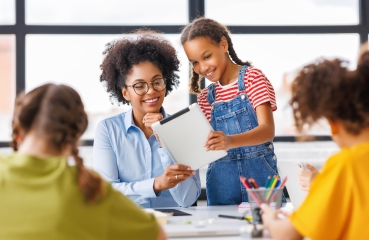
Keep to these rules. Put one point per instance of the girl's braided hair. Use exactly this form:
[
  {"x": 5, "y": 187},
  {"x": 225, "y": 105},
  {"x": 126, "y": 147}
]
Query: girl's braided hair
[{"x": 56, "y": 113}]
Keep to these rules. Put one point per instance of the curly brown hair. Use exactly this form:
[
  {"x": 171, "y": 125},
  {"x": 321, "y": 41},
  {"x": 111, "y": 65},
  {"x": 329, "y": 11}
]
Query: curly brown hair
[
  {"x": 205, "y": 27},
  {"x": 328, "y": 89},
  {"x": 121, "y": 55},
  {"x": 56, "y": 114}
]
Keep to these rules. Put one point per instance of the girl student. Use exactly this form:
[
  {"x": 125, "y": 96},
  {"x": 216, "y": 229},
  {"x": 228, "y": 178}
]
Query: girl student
[
  {"x": 336, "y": 206},
  {"x": 42, "y": 197},
  {"x": 140, "y": 72},
  {"x": 239, "y": 104}
]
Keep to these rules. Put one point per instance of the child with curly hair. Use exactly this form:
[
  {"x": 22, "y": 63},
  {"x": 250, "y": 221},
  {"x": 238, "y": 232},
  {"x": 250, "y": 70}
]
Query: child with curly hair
[
  {"x": 141, "y": 72},
  {"x": 336, "y": 206}
]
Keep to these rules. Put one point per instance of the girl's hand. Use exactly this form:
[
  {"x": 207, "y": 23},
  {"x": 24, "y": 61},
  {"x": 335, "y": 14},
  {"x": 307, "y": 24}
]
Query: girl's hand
[
  {"x": 172, "y": 175},
  {"x": 268, "y": 215},
  {"x": 307, "y": 177},
  {"x": 217, "y": 141},
  {"x": 151, "y": 118}
]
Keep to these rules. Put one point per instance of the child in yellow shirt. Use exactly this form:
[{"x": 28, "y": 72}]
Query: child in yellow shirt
[{"x": 337, "y": 205}]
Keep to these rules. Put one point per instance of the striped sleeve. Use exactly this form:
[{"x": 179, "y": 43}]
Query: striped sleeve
[
  {"x": 259, "y": 89},
  {"x": 203, "y": 103}
]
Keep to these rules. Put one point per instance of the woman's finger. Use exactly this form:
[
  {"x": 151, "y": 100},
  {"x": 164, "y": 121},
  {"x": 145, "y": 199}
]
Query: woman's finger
[
  {"x": 184, "y": 173},
  {"x": 178, "y": 167},
  {"x": 181, "y": 177}
]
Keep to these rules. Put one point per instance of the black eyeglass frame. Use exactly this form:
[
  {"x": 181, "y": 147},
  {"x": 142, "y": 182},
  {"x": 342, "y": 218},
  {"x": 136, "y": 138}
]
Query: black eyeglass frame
[{"x": 147, "y": 86}]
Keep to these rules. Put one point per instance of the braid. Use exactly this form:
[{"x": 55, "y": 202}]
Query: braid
[
  {"x": 16, "y": 123},
  {"x": 56, "y": 114},
  {"x": 26, "y": 108},
  {"x": 195, "y": 82},
  {"x": 89, "y": 182},
  {"x": 232, "y": 52}
]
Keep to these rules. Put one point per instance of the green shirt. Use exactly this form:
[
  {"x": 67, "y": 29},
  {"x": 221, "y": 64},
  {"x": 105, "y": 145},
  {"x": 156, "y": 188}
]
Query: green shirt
[{"x": 40, "y": 199}]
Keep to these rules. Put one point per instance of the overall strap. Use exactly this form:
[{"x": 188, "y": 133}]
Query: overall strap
[
  {"x": 241, "y": 81},
  {"x": 211, "y": 93}
]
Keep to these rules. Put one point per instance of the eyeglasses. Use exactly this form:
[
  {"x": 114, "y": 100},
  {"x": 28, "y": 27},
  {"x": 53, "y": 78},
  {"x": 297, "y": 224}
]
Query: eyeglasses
[{"x": 142, "y": 88}]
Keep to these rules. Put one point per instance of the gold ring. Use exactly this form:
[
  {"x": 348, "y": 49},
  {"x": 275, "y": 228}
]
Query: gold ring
[{"x": 177, "y": 177}]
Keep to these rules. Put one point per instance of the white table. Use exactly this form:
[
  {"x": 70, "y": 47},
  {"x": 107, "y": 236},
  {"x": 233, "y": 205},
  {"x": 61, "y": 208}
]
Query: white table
[{"x": 202, "y": 214}]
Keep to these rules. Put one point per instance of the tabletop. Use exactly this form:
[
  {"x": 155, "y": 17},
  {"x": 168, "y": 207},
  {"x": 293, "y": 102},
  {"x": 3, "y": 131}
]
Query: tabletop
[{"x": 207, "y": 217}]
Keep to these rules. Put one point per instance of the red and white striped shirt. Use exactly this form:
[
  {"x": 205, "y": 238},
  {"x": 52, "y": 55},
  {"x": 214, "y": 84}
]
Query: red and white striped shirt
[{"x": 258, "y": 89}]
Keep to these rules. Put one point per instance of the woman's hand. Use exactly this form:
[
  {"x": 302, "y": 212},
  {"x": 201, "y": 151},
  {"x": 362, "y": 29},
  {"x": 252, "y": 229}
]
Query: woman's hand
[
  {"x": 217, "y": 141},
  {"x": 172, "y": 175},
  {"x": 151, "y": 118},
  {"x": 307, "y": 177}
]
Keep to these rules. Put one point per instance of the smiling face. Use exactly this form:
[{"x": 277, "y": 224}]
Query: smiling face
[
  {"x": 152, "y": 100},
  {"x": 207, "y": 58}
]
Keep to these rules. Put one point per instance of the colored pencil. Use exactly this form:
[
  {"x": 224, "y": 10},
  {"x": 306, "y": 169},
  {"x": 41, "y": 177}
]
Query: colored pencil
[
  {"x": 247, "y": 218},
  {"x": 267, "y": 182},
  {"x": 280, "y": 187},
  {"x": 255, "y": 185},
  {"x": 271, "y": 187},
  {"x": 247, "y": 186}
]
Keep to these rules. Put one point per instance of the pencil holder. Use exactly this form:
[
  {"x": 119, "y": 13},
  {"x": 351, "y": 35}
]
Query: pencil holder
[{"x": 270, "y": 196}]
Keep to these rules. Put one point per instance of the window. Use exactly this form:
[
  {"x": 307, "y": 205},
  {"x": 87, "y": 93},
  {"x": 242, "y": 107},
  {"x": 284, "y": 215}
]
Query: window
[
  {"x": 75, "y": 59},
  {"x": 107, "y": 12},
  {"x": 67, "y": 37},
  {"x": 7, "y": 12},
  {"x": 7, "y": 80},
  {"x": 281, "y": 56},
  {"x": 283, "y": 12}
]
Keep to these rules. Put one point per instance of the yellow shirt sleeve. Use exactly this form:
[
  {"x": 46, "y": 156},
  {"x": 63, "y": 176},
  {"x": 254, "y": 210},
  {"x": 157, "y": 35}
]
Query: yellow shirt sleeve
[
  {"x": 129, "y": 221},
  {"x": 323, "y": 213}
]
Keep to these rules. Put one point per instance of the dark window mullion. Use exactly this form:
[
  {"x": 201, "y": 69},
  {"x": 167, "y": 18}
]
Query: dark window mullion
[
  {"x": 196, "y": 9},
  {"x": 100, "y": 29},
  {"x": 364, "y": 19},
  {"x": 20, "y": 46}
]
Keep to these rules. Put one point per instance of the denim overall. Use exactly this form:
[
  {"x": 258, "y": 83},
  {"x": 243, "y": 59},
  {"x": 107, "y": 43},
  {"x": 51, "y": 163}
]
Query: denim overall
[{"x": 223, "y": 186}]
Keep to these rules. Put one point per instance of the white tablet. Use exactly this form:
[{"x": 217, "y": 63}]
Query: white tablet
[
  {"x": 184, "y": 134},
  {"x": 292, "y": 168}
]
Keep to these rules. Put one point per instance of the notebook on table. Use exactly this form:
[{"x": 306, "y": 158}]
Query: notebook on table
[{"x": 184, "y": 134}]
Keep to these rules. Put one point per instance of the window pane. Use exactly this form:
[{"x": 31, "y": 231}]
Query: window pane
[
  {"x": 7, "y": 83},
  {"x": 7, "y": 12},
  {"x": 283, "y": 12},
  {"x": 281, "y": 56},
  {"x": 108, "y": 12},
  {"x": 75, "y": 59}
]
